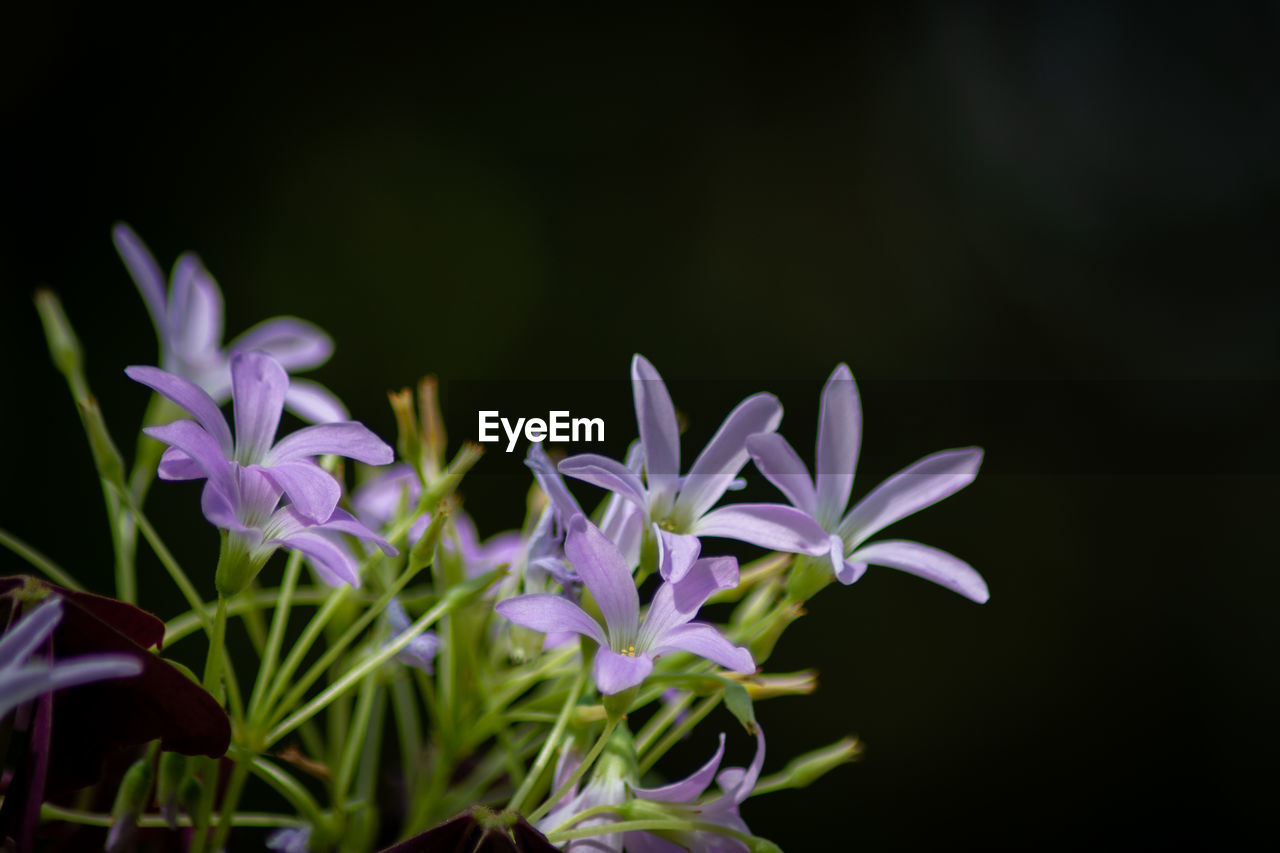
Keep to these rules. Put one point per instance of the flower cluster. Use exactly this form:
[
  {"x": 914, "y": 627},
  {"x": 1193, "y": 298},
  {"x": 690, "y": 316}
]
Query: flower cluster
[{"x": 588, "y": 635}]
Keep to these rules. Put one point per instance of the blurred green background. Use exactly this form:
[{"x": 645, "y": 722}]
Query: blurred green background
[{"x": 1047, "y": 229}]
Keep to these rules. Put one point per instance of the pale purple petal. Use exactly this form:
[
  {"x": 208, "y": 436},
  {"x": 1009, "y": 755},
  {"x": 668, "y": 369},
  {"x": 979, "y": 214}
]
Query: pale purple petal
[
  {"x": 351, "y": 439},
  {"x": 195, "y": 309},
  {"x": 332, "y": 562},
  {"x": 659, "y": 431},
  {"x": 32, "y": 629},
  {"x": 910, "y": 490},
  {"x": 550, "y": 613},
  {"x": 623, "y": 523},
  {"x": 296, "y": 344},
  {"x": 313, "y": 402},
  {"x": 689, "y": 788},
  {"x": 615, "y": 673},
  {"x": 850, "y": 572},
  {"x": 677, "y": 553},
  {"x": 836, "y": 555},
  {"x": 421, "y": 650},
  {"x": 925, "y": 562},
  {"x": 342, "y": 521},
  {"x": 676, "y": 603},
  {"x": 146, "y": 274},
  {"x": 379, "y": 499},
  {"x": 781, "y": 528},
  {"x": 646, "y": 842},
  {"x": 705, "y": 641},
  {"x": 313, "y": 491},
  {"x": 549, "y": 480},
  {"x": 258, "y": 383},
  {"x": 726, "y": 453},
  {"x": 217, "y": 508},
  {"x": 189, "y": 396},
  {"x": 176, "y": 465},
  {"x": 200, "y": 447},
  {"x": 23, "y": 683},
  {"x": 738, "y": 784},
  {"x": 781, "y": 466},
  {"x": 606, "y": 575},
  {"x": 607, "y": 474},
  {"x": 839, "y": 437}
]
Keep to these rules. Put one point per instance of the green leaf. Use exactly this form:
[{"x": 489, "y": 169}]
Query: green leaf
[{"x": 738, "y": 701}]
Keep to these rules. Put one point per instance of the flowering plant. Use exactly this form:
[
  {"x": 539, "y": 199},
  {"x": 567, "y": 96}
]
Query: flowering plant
[{"x": 531, "y": 683}]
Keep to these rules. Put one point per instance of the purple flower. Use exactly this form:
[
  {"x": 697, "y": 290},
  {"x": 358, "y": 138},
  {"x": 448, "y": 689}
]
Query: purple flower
[
  {"x": 627, "y": 645},
  {"x": 608, "y": 787},
  {"x": 246, "y": 477},
  {"x": 677, "y": 510},
  {"x": 912, "y": 489},
  {"x": 736, "y": 785},
  {"x": 421, "y": 650},
  {"x": 291, "y": 839},
  {"x": 189, "y": 326},
  {"x": 22, "y": 680}
]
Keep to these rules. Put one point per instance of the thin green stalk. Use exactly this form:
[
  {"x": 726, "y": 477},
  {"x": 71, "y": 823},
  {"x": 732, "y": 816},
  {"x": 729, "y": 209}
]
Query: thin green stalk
[
  {"x": 212, "y": 677},
  {"x": 230, "y": 799},
  {"x": 577, "y": 774},
  {"x": 408, "y": 734},
  {"x": 309, "y": 634},
  {"x": 686, "y": 725},
  {"x": 49, "y": 811},
  {"x": 180, "y": 578},
  {"x": 289, "y": 788},
  {"x": 279, "y": 622},
  {"x": 552, "y": 742},
  {"x": 56, "y": 574},
  {"x": 366, "y": 785},
  {"x": 658, "y": 722},
  {"x": 355, "y": 741},
  {"x": 608, "y": 828},
  {"x": 184, "y": 625}
]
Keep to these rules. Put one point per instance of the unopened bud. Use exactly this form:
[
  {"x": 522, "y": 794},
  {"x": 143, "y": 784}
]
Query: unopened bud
[
  {"x": 408, "y": 439},
  {"x": 806, "y": 769},
  {"x": 64, "y": 347},
  {"x": 423, "y": 551},
  {"x": 768, "y": 686},
  {"x": 432, "y": 424},
  {"x": 173, "y": 770},
  {"x": 131, "y": 799}
]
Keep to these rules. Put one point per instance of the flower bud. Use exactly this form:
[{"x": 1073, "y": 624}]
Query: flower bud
[
  {"x": 408, "y": 440},
  {"x": 131, "y": 799},
  {"x": 64, "y": 347},
  {"x": 432, "y": 425},
  {"x": 173, "y": 771},
  {"x": 806, "y": 769}
]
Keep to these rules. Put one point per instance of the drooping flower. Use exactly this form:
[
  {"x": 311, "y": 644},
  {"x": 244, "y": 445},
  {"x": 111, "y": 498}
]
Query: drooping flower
[
  {"x": 825, "y": 497},
  {"x": 628, "y": 646},
  {"x": 677, "y": 510},
  {"x": 247, "y": 477},
  {"x": 188, "y": 325},
  {"x": 422, "y": 649},
  {"x": 606, "y": 787},
  {"x": 23, "y": 678},
  {"x": 736, "y": 784}
]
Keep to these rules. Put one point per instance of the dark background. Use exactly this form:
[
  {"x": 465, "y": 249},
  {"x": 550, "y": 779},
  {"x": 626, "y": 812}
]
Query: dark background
[{"x": 1047, "y": 229}]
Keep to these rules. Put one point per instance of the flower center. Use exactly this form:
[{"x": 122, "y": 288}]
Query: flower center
[{"x": 629, "y": 651}]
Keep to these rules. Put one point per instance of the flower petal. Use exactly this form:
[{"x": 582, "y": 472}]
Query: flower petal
[
  {"x": 24, "y": 683},
  {"x": 615, "y": 673},
  {"x": 839, "y": 437},
  {"x": 623, "y": 523},
  {"x": 926, "y": 562},
  {"x": 17, "y": 644},
  {"x": 606, "y": 575},
  {"x": 314, "y": 403},
  {"x": 296, "y": 344},
  {"x": 189, "y": 396},
  {"x": 659, "y": 431},
  {"x": 195, "y": 309},
  {"x": 607, "y": 474},
  {"x": 201, "y": 448},
  {"x": 782, "y": 528},
  {"x": 313, "y": 491},
  {"x": 348, "y": 438},
  {"x": 146, "y": 275},
  {"x": 677, "y": 553},
  {"x": 550, "y": 613},
  {"x": 258, "y": 383},
  {"x": 781, "y": 466},
  {"x": 723, "y": 457},
  {"x": 915, "y": 487},
  {"x": 737, "y": 783},
  {"x": 705, "y": 641},
  {"x": 176, "y": 465},
  {"x": 676, "y": 603},
  {"x": 690, "y": 787},
  {"x": 850, "y": 572},
  {"x": 549, "y": 480},
  {"x": 332, "y": 562}
]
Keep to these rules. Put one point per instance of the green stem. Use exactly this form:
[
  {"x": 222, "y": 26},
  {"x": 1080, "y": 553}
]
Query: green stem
[
  {"x": 184, "y": 625},
  {"x": 577, "y": 774},
  {"x": 180, "y": 578},
  {"x": 355, "y": 741},
  {"x": 279, "y": 621},
  {"x": 230, "y": 799},
  {"x": 289, "y": 788},
  {"x": 57, "y": 574},
  {"x": 658, "y": 722},
  {"x": 48, "y": 811},
  {"x": 552, "y": 742},
  {"x": 211, "y": 681},
  {"x": 309, "y": 634}
]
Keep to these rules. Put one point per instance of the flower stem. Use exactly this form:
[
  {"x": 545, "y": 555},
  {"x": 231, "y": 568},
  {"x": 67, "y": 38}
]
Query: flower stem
[
  {"x": 577, "y": 774},
  {"x": 279, "y": 621},
  {"x": 211, "y": 681},
  {"x": 57, "y": 574},
  {"x": 552, "y": 742},
  {"x": 686, "y": 725}
]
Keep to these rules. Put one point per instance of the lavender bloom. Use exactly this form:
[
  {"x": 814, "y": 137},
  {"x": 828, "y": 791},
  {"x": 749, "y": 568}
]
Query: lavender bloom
[
  {"x": 912, "y": 489},
  {"x": 189, "y": 327},
  {"x": 291, "y": 839},
  {"x": 421, "y": 650},
  {"x": 248, "y": 476},
  {"x": 736, "y": 784},
  {"x": 607, "y": 787},
  {"x": 678, "y": 509},
  {"x": 627, "y": 646},
  {"x": 22, "y": 681}
]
